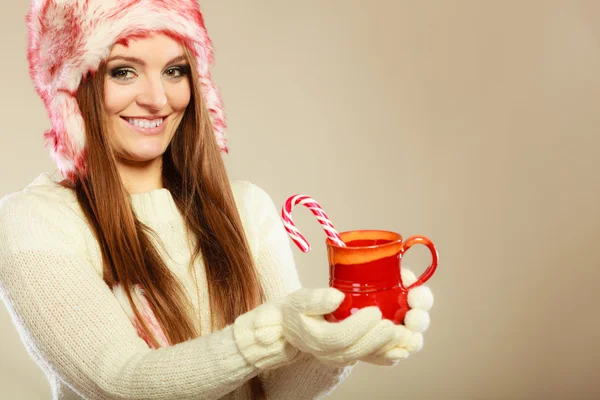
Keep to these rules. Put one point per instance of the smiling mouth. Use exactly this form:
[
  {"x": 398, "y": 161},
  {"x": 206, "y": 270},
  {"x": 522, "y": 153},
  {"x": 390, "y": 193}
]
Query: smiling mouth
[
  {"x": 145, "y": 123},
  {"x": 146, "y": 126}
]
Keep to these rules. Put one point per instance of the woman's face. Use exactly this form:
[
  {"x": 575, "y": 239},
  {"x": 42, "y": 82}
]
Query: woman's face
[{"x": 146, "y": 92}]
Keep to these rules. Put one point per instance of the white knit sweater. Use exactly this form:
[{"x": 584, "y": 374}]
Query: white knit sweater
[{"x": 76, "y": 331}]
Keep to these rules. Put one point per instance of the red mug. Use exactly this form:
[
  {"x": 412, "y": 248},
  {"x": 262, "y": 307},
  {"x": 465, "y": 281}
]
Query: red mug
[{"x": 367, "y": 270}]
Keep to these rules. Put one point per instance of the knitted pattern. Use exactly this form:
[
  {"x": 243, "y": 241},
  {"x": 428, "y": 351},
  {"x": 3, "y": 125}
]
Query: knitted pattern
[{"x": 80, "y": 335}]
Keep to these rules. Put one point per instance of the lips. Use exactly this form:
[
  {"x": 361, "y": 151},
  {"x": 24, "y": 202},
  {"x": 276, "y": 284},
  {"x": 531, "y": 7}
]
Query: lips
[
  {"x": 145, "y": 123},
  {"x": 145, "y": 126}
]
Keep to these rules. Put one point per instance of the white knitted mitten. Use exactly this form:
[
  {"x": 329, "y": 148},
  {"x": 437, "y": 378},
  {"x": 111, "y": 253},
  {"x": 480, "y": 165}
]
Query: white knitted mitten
[
  {"x": 271, "y": 334},
  {"x": 259, "y": 337},
  {"x": 409, "y": 337},
  {"x": 339, "y": 343}
]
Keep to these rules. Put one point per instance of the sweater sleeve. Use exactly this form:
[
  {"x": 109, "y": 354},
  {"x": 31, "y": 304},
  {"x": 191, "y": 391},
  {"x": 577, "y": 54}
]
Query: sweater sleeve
[
  {"x": 73, "y": 327},
  {"x": 306, "y": 377}
]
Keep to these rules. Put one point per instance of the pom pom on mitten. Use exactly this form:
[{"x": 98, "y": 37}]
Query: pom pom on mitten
[{"x": 409, "y": 337}]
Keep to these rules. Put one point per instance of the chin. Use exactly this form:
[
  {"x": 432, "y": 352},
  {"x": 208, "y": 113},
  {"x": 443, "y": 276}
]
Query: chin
[
  {"x": 145, "y": 156},
  {"x": 142, "y": 156},
  {"x": 144, "y": 150}
]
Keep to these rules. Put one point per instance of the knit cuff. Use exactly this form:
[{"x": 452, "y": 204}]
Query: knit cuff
[{"x": 259, "y": 337}]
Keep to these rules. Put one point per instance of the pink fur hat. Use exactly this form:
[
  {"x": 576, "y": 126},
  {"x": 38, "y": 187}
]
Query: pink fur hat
[{"x": 69, "y": 38}]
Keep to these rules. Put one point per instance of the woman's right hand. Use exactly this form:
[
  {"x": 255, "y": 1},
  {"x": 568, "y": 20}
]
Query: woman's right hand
[
  {"x": 272, "y": 334},
  {"x": 362, "y": 336}
]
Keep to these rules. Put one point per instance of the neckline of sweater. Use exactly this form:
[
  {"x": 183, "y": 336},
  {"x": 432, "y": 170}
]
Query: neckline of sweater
[{"x": 153, "y": 206}]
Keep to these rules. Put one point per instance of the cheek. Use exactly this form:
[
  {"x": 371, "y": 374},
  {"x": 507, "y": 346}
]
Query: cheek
[
  {"x": 180, "y": 97},
  {"x": 117, "y": 97}
]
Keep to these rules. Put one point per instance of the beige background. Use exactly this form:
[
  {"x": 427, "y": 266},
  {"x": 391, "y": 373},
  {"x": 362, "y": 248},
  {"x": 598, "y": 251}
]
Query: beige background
[{"x": 474, "y": 123}]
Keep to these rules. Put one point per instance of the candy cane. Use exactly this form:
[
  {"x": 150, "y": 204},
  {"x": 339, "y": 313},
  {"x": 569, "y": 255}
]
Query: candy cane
[{"x": 316, "y": 209}]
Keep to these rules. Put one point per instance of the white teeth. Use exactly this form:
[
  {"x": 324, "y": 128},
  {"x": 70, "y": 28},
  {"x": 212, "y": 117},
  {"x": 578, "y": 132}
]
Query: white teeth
[{"x": 144, "y": 123}]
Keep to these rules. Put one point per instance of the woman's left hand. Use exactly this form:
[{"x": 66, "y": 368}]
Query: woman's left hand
[{"x": 409, "y": 337}]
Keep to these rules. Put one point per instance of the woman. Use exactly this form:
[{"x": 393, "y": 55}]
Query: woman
[{"x": 145, "y": 273}]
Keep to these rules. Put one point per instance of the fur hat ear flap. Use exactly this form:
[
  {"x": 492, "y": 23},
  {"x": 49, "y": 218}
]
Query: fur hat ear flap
[
  {"x": 144, "y": 308},
  {"x": 66, "y": 139}
]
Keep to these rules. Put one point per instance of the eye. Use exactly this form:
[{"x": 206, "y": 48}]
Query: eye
[
  {"x": 122, "y": 74},
  {"x": 177, "y": 72}
]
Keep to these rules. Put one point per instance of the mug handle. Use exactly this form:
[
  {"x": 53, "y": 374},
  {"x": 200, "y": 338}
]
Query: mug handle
[{"x": 434, "y": 255}]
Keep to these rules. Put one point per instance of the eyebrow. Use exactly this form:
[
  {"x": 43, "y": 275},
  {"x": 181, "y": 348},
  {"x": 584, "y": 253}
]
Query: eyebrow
[{"x": 142, "y": 62}]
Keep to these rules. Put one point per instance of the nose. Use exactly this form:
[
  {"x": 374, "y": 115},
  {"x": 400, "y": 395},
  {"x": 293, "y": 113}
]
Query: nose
[{"x": 152, "y": 95}]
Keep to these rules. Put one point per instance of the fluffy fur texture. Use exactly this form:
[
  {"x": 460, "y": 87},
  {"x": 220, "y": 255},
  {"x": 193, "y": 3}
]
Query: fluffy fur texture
[{"x": 69, "y": 38}]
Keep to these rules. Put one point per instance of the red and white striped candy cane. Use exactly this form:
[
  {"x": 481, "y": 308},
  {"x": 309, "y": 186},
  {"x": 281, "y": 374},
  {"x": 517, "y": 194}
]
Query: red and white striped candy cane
[{"x": 316, "y": 209}]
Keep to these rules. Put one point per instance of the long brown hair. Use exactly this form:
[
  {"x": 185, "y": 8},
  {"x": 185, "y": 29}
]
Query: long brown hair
[{"x": 194, "y": 173}]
